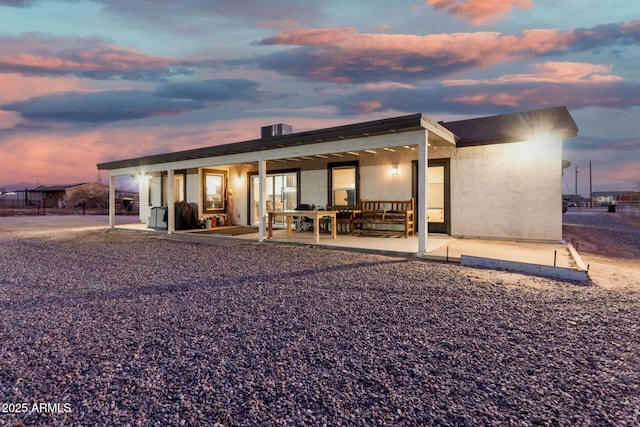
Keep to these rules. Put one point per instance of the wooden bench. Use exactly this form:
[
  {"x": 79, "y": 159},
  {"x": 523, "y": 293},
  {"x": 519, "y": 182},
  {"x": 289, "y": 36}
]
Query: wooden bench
[{"x": 381, "y": 213}]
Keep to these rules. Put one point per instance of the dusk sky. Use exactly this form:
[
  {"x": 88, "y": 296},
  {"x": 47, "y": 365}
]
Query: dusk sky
[{"x": 89, "y": 81}]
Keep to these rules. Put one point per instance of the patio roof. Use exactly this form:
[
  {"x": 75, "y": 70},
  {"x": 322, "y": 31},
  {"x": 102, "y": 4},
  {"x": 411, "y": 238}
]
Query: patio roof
[
  {"x": 437, "y": 134},
  {"x": 498, "y": 129}
]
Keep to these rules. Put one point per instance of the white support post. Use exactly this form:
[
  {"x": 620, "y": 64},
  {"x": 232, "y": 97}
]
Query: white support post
[
  {"x": 202, "y": 188},
  {"x": 262, "y": 199},
  {"x": 171, "y": 225},
  {"x": 112, "y": 201},
  {"x": 422, "y": 212}
]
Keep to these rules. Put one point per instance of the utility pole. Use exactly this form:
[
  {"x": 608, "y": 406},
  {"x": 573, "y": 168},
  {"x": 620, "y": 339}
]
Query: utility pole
[
  {"x": 576, "y": 180},
  {"x": 590, "y": 187}
]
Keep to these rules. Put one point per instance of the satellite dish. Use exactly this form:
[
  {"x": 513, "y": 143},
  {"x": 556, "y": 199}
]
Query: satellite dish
[{"x": 566, "y": 164}]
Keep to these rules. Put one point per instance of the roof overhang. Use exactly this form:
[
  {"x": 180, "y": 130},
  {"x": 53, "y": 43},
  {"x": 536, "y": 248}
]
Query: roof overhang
[
  {"x": 437, "y": 134},
  {"x": 553, "y": 122}
]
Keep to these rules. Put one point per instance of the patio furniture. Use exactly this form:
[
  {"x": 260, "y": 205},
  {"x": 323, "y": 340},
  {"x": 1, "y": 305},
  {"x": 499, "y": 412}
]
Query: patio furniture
[
  {"x": 385, "y": 217},
  {"x": 289, "y": 215},
  {"x": 303, "y": 223},
  {"x": 345, "y": 214}
]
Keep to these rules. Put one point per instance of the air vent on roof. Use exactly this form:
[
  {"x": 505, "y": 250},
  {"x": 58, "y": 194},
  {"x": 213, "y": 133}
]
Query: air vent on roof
[{"x": 276, "y": 130}]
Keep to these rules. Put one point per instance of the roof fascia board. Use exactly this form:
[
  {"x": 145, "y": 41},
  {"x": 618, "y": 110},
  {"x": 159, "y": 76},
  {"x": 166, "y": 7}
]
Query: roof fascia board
[
  {"x": 354, "y": 144},
  {"x": 438, "y": 129},
  {"x": 339, "y": 133}
]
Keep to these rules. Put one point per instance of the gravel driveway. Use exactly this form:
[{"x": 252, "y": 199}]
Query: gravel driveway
[
  {"x": 103, "y": 327},
  {"x": 600, "y": 232}
]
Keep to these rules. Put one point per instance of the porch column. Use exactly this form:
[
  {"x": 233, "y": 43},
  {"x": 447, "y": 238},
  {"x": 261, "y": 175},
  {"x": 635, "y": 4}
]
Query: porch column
[
  {"x": 422, "y": 211},
  {"x": 171, "y": 225},
  {"x": 112, "y": 201},
  {"x": 262, "y": 199}
]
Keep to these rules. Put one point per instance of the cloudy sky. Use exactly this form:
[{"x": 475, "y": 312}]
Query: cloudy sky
[{"x": 87, "y": 81}]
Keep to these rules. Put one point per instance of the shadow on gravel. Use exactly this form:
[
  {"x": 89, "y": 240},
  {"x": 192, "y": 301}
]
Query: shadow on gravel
[{"x": 91, "y": 295}]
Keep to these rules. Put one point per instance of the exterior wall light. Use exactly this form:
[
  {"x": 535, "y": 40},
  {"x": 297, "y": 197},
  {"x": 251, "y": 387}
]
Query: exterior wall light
[{"x": 142, "y": 179}]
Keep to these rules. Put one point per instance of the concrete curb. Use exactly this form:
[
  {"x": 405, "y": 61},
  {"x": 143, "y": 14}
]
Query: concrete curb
[
  {"x": 562, "y": 273},
  {"x": 577, "y": 259}
]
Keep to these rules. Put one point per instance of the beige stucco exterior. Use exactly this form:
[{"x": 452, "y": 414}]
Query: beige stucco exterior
[
  {"x": 501, "y": 191},
  {"x": 507, "y": 191},
  {"x": 496, "y": 189}
]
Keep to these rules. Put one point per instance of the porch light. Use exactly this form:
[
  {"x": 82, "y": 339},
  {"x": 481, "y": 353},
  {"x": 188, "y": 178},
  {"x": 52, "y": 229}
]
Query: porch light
[{"x": 142, "y": 179}]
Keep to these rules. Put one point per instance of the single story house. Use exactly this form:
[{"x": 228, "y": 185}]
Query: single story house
[
  {"x": 495, "y": 177},
  {"x": 92, "y": 194}
]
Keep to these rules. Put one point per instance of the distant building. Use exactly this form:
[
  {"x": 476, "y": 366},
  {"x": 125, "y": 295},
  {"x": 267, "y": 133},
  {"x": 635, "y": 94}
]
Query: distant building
[
  {"x": 92, "y": 194},
  {"x": 602, "y": 198}
]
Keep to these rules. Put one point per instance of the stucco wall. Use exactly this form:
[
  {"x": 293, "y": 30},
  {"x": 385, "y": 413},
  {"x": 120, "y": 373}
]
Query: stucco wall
[
  {"x": 313, "y": 186},
  {"x": 505, "y": 191},
  {"x": 193, "y": 194},
  {"x": 238, "y": 182},
  {"x": 378, "y": 182},
  {"x": 508, "y": 191},
  {"x": 155, "y": 185},
  {"x": 143, "y": 191}
]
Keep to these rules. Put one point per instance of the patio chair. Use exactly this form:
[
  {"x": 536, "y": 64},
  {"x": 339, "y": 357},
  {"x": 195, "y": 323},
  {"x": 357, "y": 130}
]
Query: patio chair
[{"x": 303, "y": 223}]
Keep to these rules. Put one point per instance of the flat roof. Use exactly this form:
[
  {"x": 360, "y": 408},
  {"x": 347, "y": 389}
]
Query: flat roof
[
  {"x": 376, "y": 127},
  {"x": 513, "y": 127},
  {"x": 487, "y": 130}
]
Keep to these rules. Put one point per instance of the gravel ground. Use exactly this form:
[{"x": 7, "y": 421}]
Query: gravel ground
[
  {"x": 602, "y": 233},
  {"x": 125, "y": 328}
]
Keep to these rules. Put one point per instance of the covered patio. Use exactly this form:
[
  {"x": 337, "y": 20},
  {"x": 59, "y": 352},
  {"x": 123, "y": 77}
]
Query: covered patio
[
  {"x": 494, "y": 178},
  {"x": 243, "y": 171}
]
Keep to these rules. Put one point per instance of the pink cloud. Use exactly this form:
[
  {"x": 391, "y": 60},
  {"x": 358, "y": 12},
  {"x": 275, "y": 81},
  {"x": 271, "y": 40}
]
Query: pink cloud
[
  {"x": 549, "y": 72},
  {"x": 387, "y": 85},
  {"x": 17, "y": 87},
  {"x": 34, "y": 54},
  {"x": 59, "y": 157},
  {"x": 8, "y": 119},
  {"x": 312, "y": 36},
  {"x": 339, "y": 50},
  {"x": 479, "y": 12},
  {"x": 344, "y": 55}
]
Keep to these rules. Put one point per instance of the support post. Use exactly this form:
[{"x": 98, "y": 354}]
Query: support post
[
  {"x": 262, "y": 198},
  {"x": 171, "y": 210},
  {"x": 422, "y": 211},
  {"x": 112, "y": 201},
  {"x": 590, "y": 187}
]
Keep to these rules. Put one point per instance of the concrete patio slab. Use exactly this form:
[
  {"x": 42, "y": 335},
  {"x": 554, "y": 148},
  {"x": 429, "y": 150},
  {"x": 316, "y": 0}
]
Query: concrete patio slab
[{"x": 544, "y": 259}]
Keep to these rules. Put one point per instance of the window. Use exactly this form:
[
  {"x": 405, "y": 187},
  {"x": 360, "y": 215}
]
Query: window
[
  {"x": 215, "y": 183},
  {"x": 343, "y": 184}
]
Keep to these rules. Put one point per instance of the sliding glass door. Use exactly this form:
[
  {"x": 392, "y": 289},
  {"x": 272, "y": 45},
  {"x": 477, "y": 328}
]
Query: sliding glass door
[{"x": 282, "y": 194}]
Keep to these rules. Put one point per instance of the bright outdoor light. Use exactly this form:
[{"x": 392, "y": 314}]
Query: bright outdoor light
[{"x": 142, "y": 179}]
